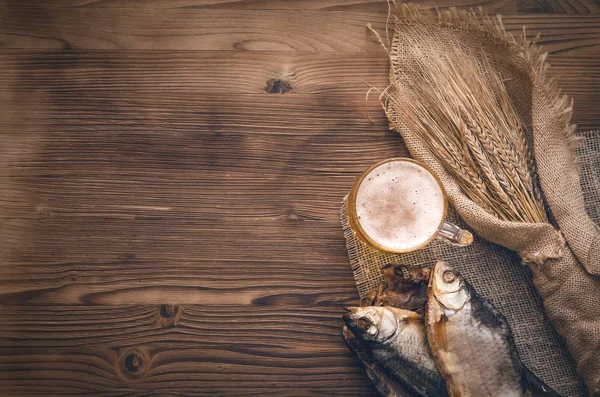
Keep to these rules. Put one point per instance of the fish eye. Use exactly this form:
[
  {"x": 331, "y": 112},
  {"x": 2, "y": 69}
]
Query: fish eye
[{"x": 448, "y": 276}]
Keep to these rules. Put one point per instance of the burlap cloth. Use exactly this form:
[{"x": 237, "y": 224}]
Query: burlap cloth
[
  {"x": 563, "y": 256},
  {"x": 499, "y": 275}
]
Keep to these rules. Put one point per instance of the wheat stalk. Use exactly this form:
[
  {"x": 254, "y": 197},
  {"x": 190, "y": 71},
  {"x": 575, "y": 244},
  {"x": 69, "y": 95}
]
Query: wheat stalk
[{"x": 468, "y": 122}]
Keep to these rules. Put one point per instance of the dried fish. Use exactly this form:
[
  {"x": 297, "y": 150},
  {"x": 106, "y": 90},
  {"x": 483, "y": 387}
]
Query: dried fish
[
  {"x": 474, "y": 354},
  {"x": 385, "y": 385},
  {"x": 471, "y": 341},
  {"x": 396, "y": 341}
]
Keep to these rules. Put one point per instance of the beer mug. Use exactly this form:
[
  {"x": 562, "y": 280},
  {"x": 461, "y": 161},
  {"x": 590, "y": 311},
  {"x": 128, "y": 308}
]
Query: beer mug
[{"x": 399, "y": 205}]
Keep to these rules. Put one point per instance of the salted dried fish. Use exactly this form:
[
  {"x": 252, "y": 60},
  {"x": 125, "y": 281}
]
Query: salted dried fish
[
  {"x": 471, "y": 341},
  {"x": 386, "y": 385},
  {"x": 396, "y": 340},
  {"x": 475, "y": 354}
]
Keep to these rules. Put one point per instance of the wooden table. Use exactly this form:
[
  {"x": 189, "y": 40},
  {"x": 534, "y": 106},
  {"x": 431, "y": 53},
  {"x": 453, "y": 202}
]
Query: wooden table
[{"x": 171, "y": 175}]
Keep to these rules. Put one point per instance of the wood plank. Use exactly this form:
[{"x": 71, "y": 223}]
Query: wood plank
[
  {"x": 187, "y": 75},
  {"x": 547, "y": 6},
  {"x": 249, "y": 30},
  {"x": 196, "y": 72},
  {"x": 196, "y": 350},
  {"x": 231, "y": 72}
]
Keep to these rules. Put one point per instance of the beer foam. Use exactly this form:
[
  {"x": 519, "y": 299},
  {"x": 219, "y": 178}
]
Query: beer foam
[{"x": 400, "y": 205}]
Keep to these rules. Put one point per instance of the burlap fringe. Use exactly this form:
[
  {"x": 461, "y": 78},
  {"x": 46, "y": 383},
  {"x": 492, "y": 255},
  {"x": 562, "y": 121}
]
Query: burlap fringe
[
  {"x": 493, "y": 29},
  {"x": 538, "y": 258},
  {"x": 351, "y": 246}
]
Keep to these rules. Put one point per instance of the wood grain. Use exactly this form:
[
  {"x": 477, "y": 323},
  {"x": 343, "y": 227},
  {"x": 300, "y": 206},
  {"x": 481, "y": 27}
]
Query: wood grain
[
  {"x": 232, "y": 72},
  {"x": 546, "y": 6},
  {"x": 184, "y": 194},
  {"x": 201, "y": 79},
  {"x": 191, "y": 350},
  {"x": 250, "y": 30}
]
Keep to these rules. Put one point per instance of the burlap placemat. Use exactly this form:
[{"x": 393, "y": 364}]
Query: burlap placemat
[{"x": 497, "y": 273}]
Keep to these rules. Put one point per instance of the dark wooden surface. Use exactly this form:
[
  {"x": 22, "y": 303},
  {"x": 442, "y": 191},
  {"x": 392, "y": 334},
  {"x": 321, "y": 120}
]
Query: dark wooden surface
[{"x": 170, "y": 179}]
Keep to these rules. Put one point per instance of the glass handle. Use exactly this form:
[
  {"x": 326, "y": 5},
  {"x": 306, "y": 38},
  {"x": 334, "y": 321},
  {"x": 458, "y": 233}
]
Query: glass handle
[{"x": 455, "y": 235}]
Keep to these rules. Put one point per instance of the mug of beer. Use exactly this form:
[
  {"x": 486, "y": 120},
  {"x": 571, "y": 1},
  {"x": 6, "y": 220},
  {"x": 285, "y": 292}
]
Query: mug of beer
[{"x": 399, "y": 205}]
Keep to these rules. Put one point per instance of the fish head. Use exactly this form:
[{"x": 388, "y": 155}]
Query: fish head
[
  {"x": 372, "y": 323},
  {"x": 447, "y": 287}
]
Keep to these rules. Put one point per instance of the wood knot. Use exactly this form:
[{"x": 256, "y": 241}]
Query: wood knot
[
  {"x": 277, "y": 86},
  {"x": 168, "y": 311},
  {"x": 133, "y": 363},
  {"x": 168, "y": 315},
  {"x": 293, "y": 216}
]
